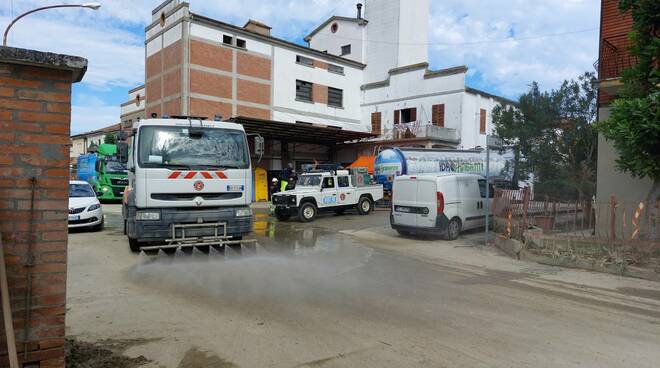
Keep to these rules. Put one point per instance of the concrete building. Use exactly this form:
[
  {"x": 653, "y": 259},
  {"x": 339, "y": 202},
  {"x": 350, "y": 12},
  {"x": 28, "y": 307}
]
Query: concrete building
[
  {"x": 613, "y": 59},
  {"x": 133, "y": 109},
  {"x": 364, "y": 79}
]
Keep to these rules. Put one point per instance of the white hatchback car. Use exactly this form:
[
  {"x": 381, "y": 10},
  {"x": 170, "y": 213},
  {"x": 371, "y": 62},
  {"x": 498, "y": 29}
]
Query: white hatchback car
[{"x": 84, "y": 208}]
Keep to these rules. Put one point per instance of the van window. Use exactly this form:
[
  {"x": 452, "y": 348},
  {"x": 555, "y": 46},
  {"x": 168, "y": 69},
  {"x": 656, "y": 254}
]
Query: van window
[
  {"x": 329, "y": 182},
  {"x": 343, "y": 181},
  {"x": 482, "y": 189}
]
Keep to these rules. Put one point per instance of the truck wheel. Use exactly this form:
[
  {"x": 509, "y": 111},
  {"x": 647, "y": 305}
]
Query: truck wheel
[
  {"x": 134, "y": 245},
  {"x": 453, "y": 229},
  {"x": 364, "y": 206},
  {"x": 282, "y": 215},
  {"x": 307, "y": 212}
]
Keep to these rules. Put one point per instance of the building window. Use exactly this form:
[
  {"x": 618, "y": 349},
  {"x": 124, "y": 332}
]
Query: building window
[
  {"x": 303, "y": 91},
  {"x": 227, "y": 40},
  {"x": 482, "y": 121},
  {"x": 438, "y": 115},
  {"x": 375, "y": 122},
  {"x": 405, "y": 115},
  {"x": 334, "y": 27},
  {"x": 345, "y": 50},
  {"x": 335, "y": 97},
  {"x": 240, "y": 43},
  {"x": 335, "y": 69},
  {"x": 304, "y": 61}
]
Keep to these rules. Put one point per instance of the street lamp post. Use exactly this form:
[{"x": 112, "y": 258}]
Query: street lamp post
[{"x": 93, "y": 6}]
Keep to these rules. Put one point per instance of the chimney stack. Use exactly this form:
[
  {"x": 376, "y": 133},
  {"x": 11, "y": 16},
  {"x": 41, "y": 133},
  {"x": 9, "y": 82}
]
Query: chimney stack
[{"x": 359, "y": 11}]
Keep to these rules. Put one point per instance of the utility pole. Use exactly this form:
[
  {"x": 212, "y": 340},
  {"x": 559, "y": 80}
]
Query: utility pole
[{"x": 496, "y": 143}]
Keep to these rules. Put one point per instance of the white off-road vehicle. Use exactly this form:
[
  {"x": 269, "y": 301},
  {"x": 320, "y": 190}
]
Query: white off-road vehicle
[{"x": 326, "y": 191}]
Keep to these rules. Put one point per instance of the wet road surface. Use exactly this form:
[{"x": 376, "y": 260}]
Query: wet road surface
[{"x": 345, "y": 291}]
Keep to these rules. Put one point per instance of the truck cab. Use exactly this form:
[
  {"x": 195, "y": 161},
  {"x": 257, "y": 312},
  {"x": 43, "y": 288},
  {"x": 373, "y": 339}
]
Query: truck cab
[
  {"x": 104, "y": 171},
  {"x": 190, "y": 181},
  {"x": 326, "y": 191}
]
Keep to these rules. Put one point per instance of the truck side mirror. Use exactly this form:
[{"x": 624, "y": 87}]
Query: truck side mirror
[
  {"x": 122, "y": 152},
  {"x": 259, "y": 146},
  {"x": 97, "y": 166}
]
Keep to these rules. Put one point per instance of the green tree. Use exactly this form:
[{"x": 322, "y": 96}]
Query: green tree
[
  {"x": 633, "y": 127},
  {"x": 552, "y": 136},
  {"x": 110, "y": 138}
]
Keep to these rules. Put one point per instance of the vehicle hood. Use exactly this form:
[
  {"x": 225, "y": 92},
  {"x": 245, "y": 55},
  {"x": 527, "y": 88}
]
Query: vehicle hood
[
  {"x": 305, "y": 190},
  {"x": 82, "y": 202}
]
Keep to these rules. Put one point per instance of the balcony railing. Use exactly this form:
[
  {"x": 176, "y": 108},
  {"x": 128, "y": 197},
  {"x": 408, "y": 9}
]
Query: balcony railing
[
  {"x": 614, "y": 57},
  {"x": 428, "y": 131}
]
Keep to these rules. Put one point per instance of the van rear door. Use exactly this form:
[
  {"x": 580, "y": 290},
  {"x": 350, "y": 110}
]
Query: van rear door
[
  {"x": 427, "y": 202},
  {"x": 404, "y": 201}
]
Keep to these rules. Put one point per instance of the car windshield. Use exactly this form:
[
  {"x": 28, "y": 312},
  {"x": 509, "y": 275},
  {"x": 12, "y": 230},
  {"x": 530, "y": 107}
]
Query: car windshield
[
  {"x": 115, "y": 167},
  {"x": 81, "y": 191},
  {"x": 182, "y": 147},
  {"x": 309, "y": 181}
]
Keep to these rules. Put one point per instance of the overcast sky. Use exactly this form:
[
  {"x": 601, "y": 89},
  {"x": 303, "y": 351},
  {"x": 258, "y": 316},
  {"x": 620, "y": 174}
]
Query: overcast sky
[{"x": 505, "y": 43}]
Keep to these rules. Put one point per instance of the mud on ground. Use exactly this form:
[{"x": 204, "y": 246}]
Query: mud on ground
[{"x": 102, "y": 354}]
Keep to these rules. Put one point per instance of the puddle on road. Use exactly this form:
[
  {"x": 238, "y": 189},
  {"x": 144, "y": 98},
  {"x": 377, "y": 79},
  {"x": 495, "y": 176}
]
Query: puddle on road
[{"x": 292, "y": 262}]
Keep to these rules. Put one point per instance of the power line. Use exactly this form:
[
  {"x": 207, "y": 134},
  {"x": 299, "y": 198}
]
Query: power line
[{"x": 481, "y": 42}]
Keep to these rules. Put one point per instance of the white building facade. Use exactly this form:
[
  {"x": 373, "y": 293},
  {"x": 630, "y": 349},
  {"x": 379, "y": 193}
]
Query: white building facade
[{"x": 367, "y": 77}]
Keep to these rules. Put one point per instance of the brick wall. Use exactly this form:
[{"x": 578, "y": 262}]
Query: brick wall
[{"x": 34, "y": 154}]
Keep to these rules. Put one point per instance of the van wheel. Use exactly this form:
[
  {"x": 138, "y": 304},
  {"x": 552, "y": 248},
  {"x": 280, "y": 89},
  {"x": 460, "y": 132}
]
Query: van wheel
[
  {"x": 307, "y": 212},
  {"x": 453, "y": 229},
  {"x": 403, "y": 232},
  {"x": 364, "y": 206},
  {"x": 134, "y": 244}
]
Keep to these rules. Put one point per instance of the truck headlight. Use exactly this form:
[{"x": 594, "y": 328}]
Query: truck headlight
[
  {"x": 94, "y": 207},
  {"x": 147, "y": 216},
  {"x": 244, "y": 212},
  {"x": 105, "y": 189}
]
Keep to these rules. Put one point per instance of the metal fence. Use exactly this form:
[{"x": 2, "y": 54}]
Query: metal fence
[{"x": 611, "y": 220}]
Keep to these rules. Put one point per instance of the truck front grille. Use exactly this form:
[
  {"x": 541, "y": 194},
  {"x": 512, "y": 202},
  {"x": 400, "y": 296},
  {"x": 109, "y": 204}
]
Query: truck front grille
[{"x": 119, "y": 182}]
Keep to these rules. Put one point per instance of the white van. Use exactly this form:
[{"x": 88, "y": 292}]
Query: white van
[{"x": 444, "y": 204}]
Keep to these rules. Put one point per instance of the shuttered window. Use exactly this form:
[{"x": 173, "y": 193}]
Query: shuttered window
[
  {"x": 303, "y": 91},
  {"x": 405, "y": 115},
  {"x": 335, "y": 69},
  {"x": 304, "y": 60},
  {"x": 438, "y": 115},
  {"x": 375, "y": 122},
  {"x": 482, "y": 121},
  {"x": 335, "y": 97}
]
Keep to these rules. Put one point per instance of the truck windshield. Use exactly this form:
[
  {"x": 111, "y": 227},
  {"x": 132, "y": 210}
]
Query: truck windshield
[
  {"x": 309, "y": 181},
  {"x": 81, "y": 191},
  {"x": 115, "y": 167},
  {"x": 175, "y": 147}
]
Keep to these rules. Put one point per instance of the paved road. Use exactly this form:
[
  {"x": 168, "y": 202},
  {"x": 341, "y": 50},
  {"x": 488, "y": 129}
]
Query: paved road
[{"x": 345, "y": 291}]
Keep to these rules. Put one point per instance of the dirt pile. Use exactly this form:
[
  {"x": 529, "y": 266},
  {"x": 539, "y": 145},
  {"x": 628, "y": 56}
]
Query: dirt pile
[{"x": 103, "y": 354}]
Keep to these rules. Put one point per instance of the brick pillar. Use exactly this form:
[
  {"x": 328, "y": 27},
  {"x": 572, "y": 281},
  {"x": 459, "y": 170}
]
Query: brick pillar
[{"x": 35, "y": 114}]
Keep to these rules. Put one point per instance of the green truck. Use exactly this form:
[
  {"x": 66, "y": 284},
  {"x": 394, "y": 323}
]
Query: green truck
[{"x": 104, "y": 171}]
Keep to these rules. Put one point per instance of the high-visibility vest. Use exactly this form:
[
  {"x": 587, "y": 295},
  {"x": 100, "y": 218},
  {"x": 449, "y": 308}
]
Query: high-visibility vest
[{"x": 283, "y": 185}]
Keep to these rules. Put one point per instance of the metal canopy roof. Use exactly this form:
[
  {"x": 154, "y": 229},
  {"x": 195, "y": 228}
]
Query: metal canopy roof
[{"x": 298, "y": 132}]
